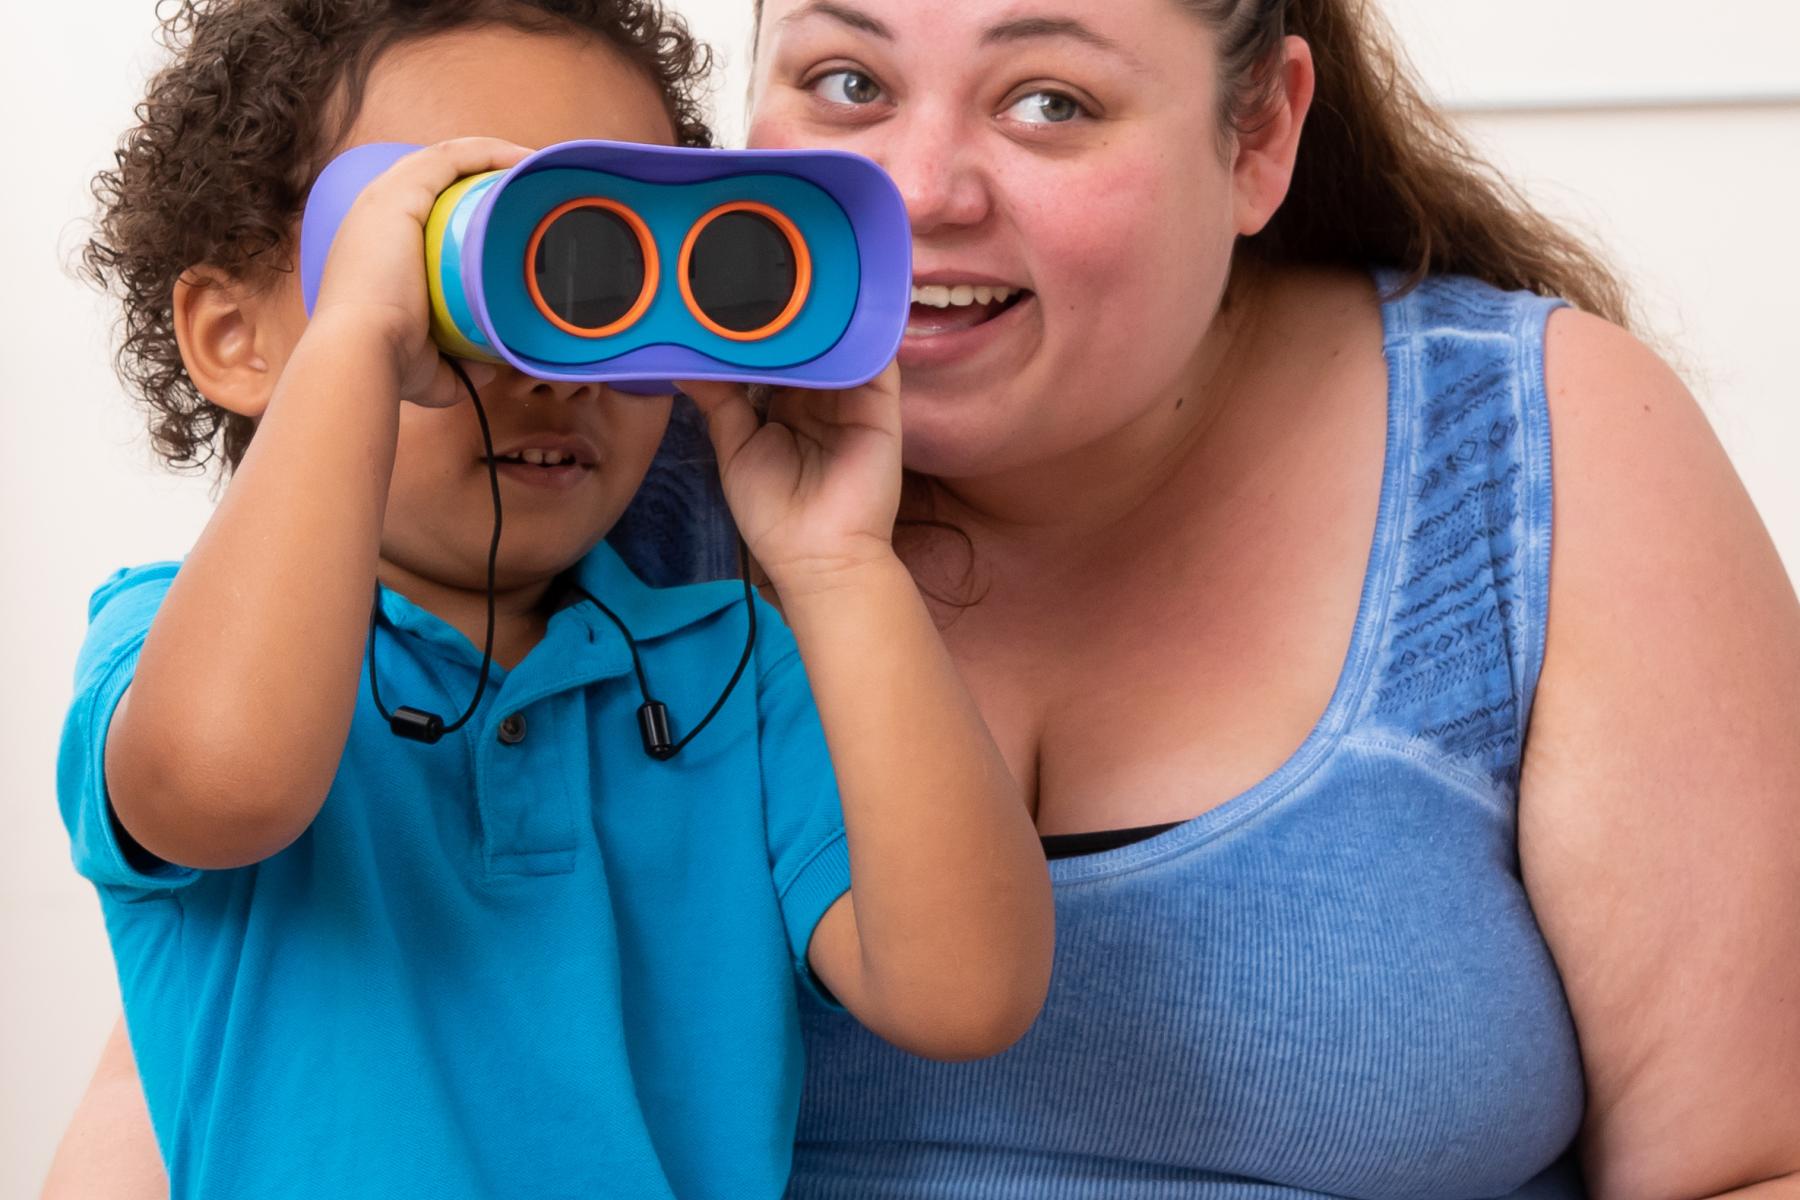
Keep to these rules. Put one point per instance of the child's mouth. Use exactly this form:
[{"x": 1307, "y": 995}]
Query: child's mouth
[{"x": 543, "y": 467}]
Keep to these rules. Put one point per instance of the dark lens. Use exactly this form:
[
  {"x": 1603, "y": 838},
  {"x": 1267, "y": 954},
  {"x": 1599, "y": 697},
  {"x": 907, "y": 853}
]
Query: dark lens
[
  {"x": 742, "y": 271},
  {"x": 589, "y": 267}
]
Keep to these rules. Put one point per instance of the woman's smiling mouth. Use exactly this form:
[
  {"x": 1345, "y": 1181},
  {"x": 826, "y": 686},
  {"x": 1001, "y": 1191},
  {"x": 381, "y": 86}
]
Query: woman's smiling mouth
[{"x": 951, "y": 319}]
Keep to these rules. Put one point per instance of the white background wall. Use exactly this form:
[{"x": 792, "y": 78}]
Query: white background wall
[{"x": 1673, "y": 136}]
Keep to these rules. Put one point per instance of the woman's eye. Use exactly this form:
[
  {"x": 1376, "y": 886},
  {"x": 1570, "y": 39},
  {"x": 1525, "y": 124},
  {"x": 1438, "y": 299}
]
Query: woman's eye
[
  {"x": 847, "y": 87},
  {"x": 1046, "y": 108}
]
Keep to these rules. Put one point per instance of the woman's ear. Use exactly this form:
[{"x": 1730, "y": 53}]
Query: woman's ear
[
  {"x": 1263, "y": 165},
  {"x": 221, "y": 327}
]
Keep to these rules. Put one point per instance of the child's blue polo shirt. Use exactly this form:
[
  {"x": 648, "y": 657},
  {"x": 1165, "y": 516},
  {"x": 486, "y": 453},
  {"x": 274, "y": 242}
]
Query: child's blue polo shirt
[{"x": 528, "y": 961}]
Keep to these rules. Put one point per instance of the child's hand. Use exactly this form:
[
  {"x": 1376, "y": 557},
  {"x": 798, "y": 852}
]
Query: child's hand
[
  {"x": 374, "y": 282},
  {"x": 816, "y": 489}
]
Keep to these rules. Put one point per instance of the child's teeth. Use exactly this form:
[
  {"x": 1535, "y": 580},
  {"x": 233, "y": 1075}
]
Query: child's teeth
[
  {"x": 984, "y": 295},
  {"x": 962, "y": 294},
  {"x": 534, "y": 457},
  {"x": 553, "y": 458}
]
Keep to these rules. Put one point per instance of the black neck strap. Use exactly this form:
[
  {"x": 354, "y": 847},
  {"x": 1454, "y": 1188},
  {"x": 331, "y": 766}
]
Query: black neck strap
[{"x": 418, "y": 725}]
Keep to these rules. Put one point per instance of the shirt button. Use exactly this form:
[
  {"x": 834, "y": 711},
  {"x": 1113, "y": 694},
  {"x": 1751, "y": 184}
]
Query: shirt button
[{"x": 512, "y": 730}]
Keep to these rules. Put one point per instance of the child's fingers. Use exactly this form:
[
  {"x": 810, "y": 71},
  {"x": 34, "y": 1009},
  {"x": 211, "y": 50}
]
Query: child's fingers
[
  {"x": 446, "y": 390},
  {"x": 731, "y": 420},
  {"x": 888, "y": 382},
  {"x": 418, "y": 179},
  {"x": 480, "y": 374},
  {"x": 459, "y": 157}
]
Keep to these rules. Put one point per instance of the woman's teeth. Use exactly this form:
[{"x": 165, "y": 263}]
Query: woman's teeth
[
  {"x": 940, "y": 308},
  {"x": 937, "y": 295}
]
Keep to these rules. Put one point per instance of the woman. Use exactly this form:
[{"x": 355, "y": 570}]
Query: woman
[{"x": 1416, "y": 853}]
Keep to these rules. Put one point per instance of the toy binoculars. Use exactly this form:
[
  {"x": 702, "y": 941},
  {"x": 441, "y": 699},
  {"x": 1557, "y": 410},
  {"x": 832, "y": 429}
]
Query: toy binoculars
[{"x": 640, "y": 265}]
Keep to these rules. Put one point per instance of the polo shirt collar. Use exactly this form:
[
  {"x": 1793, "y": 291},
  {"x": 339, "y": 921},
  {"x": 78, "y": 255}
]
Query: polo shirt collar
[
  {"x": 401, "y": 615},
  {"x": 649, "y": 612}
]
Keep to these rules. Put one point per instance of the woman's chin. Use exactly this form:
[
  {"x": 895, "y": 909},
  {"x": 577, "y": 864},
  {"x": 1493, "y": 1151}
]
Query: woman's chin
[{"x": 960, "y": 445}]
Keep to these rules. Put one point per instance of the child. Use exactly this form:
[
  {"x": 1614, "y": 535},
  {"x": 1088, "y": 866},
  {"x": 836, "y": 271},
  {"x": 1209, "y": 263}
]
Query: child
[{"x": 528, "y": 960}]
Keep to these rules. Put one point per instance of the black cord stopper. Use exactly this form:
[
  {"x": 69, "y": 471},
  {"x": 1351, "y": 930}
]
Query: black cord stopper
[
  {"x": 653, "y": 718},
  {"x": 416, "y": 725},
  {"x": 653, "y": 723}
]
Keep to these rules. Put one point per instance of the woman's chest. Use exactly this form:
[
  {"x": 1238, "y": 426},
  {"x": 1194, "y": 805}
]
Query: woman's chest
[
  {"x": 1148, "y": 672},
  {"x": 1171, "y": 681},
  {"x": 1339, "y": 988}
]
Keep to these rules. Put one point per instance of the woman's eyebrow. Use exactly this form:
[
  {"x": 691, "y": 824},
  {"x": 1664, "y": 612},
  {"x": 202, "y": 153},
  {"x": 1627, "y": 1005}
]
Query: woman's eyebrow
[
  {"x": 843, "y": 13},
  {"x": 1023, "y": 29},
  {"x": 1032, "y": 28}
]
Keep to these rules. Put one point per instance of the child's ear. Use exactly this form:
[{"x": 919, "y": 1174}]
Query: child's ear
[
  {"x": 222, "y": 325},
  {"x": 1263, "y": 166}
]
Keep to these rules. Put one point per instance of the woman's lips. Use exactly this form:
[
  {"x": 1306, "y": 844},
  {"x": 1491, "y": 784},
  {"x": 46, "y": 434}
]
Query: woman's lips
[
  {"x": 925, "y": 320},
  {"x": 940, "y": 336}
]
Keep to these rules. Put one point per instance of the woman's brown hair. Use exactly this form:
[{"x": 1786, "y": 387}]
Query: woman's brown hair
[
  {"x": 232, "y": 132},
  {"x": 1383, "y": 178}
]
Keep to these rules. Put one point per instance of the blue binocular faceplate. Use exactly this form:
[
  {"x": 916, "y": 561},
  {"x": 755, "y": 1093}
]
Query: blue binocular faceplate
[{"x": 639, "y": 265}]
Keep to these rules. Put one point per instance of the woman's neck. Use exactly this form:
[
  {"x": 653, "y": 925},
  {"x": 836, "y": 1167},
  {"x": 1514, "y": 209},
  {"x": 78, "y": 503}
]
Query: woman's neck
[{"x": 1076, "y": 497}]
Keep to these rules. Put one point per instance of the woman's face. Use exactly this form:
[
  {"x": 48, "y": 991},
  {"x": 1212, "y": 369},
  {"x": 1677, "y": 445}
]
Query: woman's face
[{"x": 1069, "y": 153}]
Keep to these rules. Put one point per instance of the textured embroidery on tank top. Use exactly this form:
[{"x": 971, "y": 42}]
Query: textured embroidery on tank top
[{"x": 1458, "y": 642}]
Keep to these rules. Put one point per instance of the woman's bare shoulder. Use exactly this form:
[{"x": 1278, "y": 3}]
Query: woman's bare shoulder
[{"x": 1660, "y": 800}]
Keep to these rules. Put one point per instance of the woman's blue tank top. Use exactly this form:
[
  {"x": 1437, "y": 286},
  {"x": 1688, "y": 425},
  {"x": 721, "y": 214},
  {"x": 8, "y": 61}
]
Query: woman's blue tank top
[{"x": 1333, "y": 984}]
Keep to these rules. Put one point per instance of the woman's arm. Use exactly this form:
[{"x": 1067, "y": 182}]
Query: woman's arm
[
  {"x": 1660, "y": 802},
  {"x": 109, "y": 1150}
]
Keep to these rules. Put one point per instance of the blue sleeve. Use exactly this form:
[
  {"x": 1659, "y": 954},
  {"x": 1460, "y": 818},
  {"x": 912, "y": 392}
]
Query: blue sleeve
[
  {"x": 804, "y": 819},
  {"x": 119, "y": 617}
]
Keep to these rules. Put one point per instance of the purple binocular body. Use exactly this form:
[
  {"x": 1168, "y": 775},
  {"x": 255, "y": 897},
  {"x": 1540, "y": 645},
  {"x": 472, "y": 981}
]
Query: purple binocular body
[{"x": 640, "y": 265}]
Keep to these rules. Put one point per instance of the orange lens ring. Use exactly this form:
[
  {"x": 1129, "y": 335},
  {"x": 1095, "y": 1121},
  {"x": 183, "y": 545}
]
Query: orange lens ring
[
  {"x": 646, "y": 244},
  {"x": 802, "y": 271}
]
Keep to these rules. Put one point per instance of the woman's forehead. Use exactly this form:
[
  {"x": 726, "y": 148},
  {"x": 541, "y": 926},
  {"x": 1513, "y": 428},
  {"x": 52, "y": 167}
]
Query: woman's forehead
[{"x": 1117, "y": 26}]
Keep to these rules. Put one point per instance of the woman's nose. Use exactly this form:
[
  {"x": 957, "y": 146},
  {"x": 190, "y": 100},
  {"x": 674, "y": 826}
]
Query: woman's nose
[{"x": 944, "y": 185}]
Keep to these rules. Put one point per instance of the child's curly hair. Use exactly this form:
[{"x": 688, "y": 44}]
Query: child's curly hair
[{"x": 231, "y": 134}]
